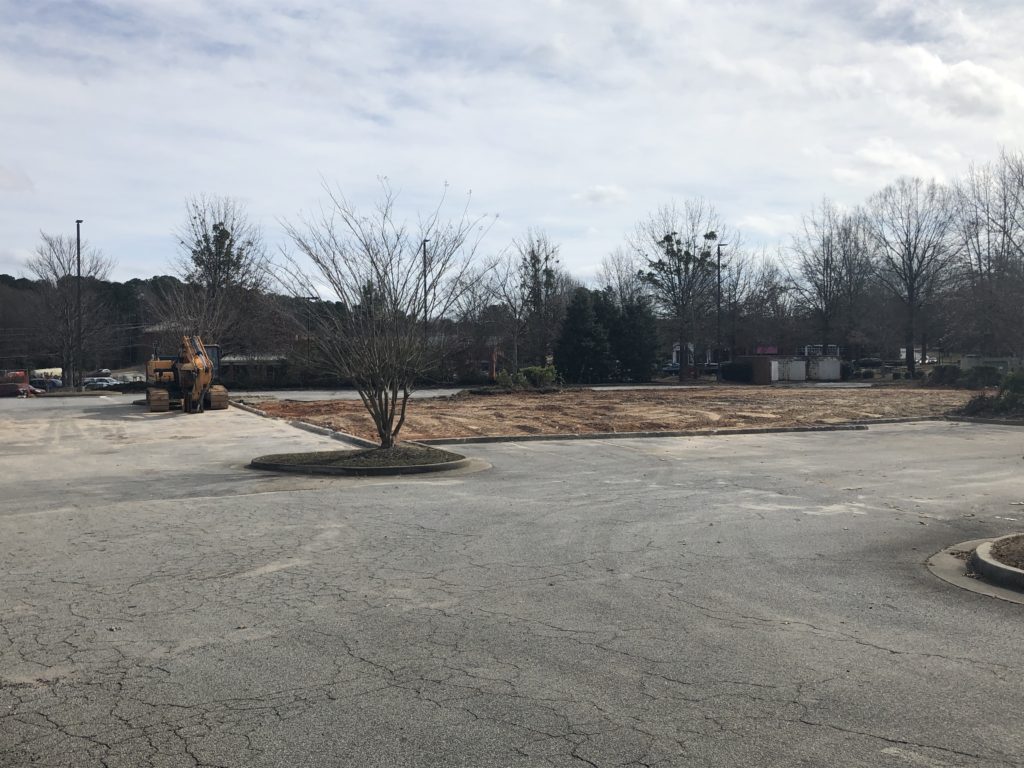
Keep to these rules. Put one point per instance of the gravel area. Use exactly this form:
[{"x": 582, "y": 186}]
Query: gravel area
[{"x": 646, "y": 410}]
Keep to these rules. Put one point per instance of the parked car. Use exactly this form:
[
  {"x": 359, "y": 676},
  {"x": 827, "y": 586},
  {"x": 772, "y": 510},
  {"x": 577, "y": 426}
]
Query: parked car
[
  {"x": 46, "y": 385},
  {"x": 670, "y": 368},
  {"x": 12, "y": 389},
  {"x": 101, "y": 382}
]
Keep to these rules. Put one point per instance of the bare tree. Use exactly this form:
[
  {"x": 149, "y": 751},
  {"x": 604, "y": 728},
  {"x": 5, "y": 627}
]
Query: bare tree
[
  {"x": 620, "y": 273},
  {"x": 768, "y": 312},
  {"x": 989, "y": 297},
  {"x": 546, "y": 289},
  {"x": 384, "y": 282},
  {"x": 833, "y": 267},
  {"x": 224, "y": 271},
  {"x": 911, "y": 226},
  {"x": 54, "y": 265},
  {"x": 509, "y": 292},
  {"x": 677, "y": 247},
  {"x": 739, "y": 282}
]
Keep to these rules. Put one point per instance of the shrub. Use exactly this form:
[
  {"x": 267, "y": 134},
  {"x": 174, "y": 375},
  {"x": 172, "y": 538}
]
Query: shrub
[
  {"x": 1008, "y": 402},
  {"x": 1011, "y": 393},
  {"x": 982, "y": 376},
  {"x": 979, "y": 405},
  {"x": 507, "y": 380},
  {"x": 742, "y": 371},
  {"x": 944, "y": 375},
  {"x": 540, "y": 376},
  {"x": 845, "y": 371},
  {"x": 1013, "y": 384}
]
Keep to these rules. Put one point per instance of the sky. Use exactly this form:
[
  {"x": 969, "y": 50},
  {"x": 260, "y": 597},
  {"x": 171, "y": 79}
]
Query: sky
[{"x": 576, "y": 118}]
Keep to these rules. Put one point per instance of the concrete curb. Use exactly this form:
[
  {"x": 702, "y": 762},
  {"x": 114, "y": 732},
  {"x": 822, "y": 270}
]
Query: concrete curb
[
  {"x": 333, "y": 433},
  {"x": 313, "y": 469},
  {"x": 899, "y": 420},
  {"x": 248, "y": 408},
  {"x": 981, "y": 420},
  {"x": 630, "y": 435},
  {"x": 86, "y": 393},
  {"x": 950, "y": 568},
  {"x": 1002, "y": 574}
]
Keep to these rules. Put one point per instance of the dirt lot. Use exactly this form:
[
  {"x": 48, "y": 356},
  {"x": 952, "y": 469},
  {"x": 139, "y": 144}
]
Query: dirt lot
[{"x": 655, "y": 409}]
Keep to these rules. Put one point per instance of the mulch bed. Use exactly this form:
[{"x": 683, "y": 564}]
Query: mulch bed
[
  {"x": 403, "y": 455},
  {"x": 1010, "y": 551}
]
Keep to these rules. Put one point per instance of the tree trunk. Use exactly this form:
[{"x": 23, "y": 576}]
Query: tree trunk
[{"x": 909, "y": 341}]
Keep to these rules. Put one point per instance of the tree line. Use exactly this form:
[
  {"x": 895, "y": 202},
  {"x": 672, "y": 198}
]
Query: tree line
[{"x": 919, "y": 265}]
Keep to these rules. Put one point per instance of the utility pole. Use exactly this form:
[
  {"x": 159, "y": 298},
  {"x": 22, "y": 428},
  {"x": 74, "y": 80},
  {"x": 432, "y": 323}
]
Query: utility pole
[
  {"x": 78, "y": 305},
  {"x": 310, "y": 300},
  {"x": 425, "y": 301},
  {"x": 718, "y": 318}
]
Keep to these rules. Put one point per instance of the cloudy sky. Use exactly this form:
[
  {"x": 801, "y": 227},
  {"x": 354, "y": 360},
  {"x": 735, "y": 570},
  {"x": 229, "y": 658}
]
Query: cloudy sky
[{"x": 576, "y": 117}]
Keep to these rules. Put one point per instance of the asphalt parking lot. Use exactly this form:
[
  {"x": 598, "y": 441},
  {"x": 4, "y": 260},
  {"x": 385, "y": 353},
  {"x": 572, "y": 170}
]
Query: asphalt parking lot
[{"x": 757, "y": 600}]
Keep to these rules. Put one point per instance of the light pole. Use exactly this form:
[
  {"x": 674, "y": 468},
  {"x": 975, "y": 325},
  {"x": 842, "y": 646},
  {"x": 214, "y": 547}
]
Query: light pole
[
  {"x": 309, "y": 332},
  {"x": 78, "y": 305},
  {"x": 718, "y": 318},
  {"x": 424, "y": 245}
]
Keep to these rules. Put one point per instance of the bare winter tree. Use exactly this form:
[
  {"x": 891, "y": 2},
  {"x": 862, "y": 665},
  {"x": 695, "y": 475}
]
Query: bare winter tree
[
  {"x": 677, "y": 245},
  {"x": 510, "y": 294},
  {"x": 911, "y": 225},
  {"x": 989, "y": 296},
  {"x": 832, "y": 269},
  {"x": 769, "y": 308},
  {"x": 545, "y": 288},
  {"x": 620, "y": 273},
  {"x": 739, "y": 281},
  {"x": 223, "y": 266},
  {"x": 54, "y": 264},
  {"x": 384, "y": 282}
]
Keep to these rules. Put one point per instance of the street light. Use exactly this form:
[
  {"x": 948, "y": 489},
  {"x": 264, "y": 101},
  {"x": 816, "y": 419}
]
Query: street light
[
  {"x": 309, "y": 332},
  {"x": 718, "y": 318},
  {"x": 78, "y": 303},
  {"x": 424, "y": 245}
]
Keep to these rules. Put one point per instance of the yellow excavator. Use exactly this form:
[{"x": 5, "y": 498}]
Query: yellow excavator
[{"x": 186, "y": 380}]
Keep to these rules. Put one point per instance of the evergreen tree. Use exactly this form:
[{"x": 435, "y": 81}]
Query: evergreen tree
[
  {"x": 583, "y": 354},
  {"x": 634, "y": 340}
]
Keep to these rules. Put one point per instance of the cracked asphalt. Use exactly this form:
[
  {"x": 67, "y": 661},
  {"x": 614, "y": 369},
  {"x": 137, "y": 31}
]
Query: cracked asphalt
[{"x": 757, "y": 600}]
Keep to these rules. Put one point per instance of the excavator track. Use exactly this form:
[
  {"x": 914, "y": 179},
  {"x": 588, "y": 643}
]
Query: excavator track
[
  {"x": 217, "y": 398},
  {"x": 159, "y": 400}
]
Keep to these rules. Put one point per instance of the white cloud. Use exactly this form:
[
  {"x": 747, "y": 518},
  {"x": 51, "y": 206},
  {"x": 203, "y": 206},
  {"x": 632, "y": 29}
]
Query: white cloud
[
  {"x": 15, "y": 180},
  {"x": 601, "y": 194},
  {"x": 114, "y": 111},
  {"x": 770, "y": 226}
]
